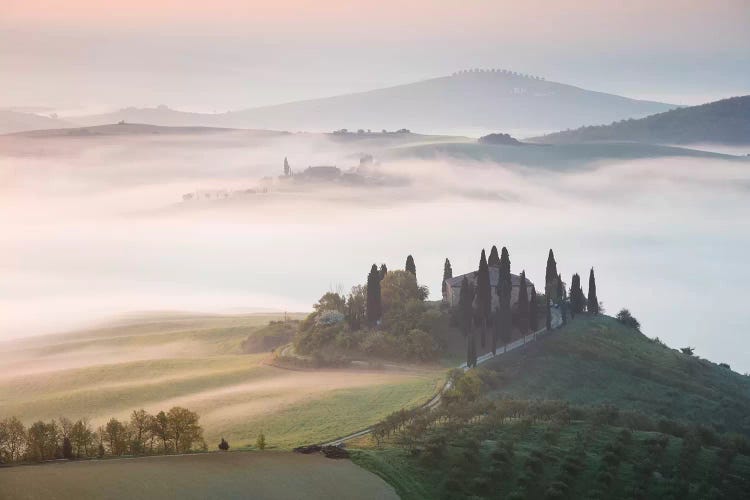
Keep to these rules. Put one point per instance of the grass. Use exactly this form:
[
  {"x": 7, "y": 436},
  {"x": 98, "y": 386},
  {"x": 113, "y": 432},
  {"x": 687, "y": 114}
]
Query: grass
[
  {"x": 599, "y": 361},
  {"x": 268, "y": 475},
  {"x": 158, "y": 361}
]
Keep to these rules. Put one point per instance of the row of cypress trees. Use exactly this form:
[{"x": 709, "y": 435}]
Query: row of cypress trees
[{"x": 475, "y": 303}]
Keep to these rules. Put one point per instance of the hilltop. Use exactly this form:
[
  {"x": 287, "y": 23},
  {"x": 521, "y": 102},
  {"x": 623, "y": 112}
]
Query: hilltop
[
  {"x": 724, "y": 122},
  {"x": 478, "y": 99}
]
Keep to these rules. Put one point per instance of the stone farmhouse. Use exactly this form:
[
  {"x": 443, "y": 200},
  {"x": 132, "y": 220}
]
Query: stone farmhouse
[{"x": 453, "y": 287}]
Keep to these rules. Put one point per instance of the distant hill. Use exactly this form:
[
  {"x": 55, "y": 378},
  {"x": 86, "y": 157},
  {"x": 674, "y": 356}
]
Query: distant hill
[
  {"x": 15, "y": 121},
  {"x": 488, "y": 100},
  {"x": 723, "y": 122},
  {"x": 130, "y": 129},
  {"x": 550, "y": 155}
]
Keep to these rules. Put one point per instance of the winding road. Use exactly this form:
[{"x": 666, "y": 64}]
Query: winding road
[{"x": 435, "y": 401}]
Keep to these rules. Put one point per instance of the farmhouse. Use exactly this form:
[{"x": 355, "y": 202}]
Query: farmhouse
[{"x": 453, "y": 287}]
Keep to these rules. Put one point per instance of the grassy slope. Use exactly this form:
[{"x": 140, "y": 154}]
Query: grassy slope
[
  {"x": 269, "y": 475},
  {"x": 598, "y": 361},
  {"x": 195, "y": 361}
]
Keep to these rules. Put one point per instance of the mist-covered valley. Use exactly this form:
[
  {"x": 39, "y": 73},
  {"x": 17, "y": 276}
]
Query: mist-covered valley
[{"x": 97, "y": 226}]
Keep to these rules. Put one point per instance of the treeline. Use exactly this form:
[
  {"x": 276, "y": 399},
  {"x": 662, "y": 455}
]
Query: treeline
[{"x": 175, "y": 431}]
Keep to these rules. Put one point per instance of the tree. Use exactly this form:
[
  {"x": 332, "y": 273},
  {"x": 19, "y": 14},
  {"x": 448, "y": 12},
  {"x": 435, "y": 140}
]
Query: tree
[
  {"x": 13, "y": 440},
  {"x": 261, "y": 441},
  {"x": 577, "y": 300},
  {"x": 115, "y": 436},
  {"x": 523, "y": 305},
  {"x": 67, "y": 448},
  {"x": 627, "y": 319},
  {"x": 484, "y": 295},
  {"x": 160, "y": 429},
  {"x": 593, "y": 301},
  {"x": 287, "y": 168},
  {"x": 356, "y": 305},
  {"x": 447, "y": 274},
  {"x": 140, "y": 421},
  {"x": 465, "y": 306},
  {"x": 687, "y": 350},
  {"x": 374, "y": 307},
  {"x": 533, "y": 311},
  {"x": 550, "y": 277},
  {"x": 548, "y": 313},
  {"x": 398, "y": 288},
  {"x": 494, "y": 259},
  {"x": 223, "y": 446},
  {"x": 184, "y": 428},
  {"x": 503, "y": 317},
  {"x": 42, "y": 440},
  {"x": 410, "y": 266},
  {"x": 382, "y": 271},
  {"x": 82, "y": 437},
  {"x": 561, "y": 299}
]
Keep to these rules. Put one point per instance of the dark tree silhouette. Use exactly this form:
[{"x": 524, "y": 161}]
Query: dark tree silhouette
[
  {"x": 561, "y": 299},
  {"x": 593, "y": 302},
  {"x": 533, "y": 311},
  {"x": 494, "y": 258},
  {"x": 382, "y": 271},
  {"x": 374, "y": 304},
  {"x": 447, "y": 274},
  {"x": 465, "y": 306},
  {"x": 550, "y": 277},
  {"x": 484, "y": 295},
  {"x": 548, "y": 313},
  {"x": 410, "y": 265},
  {"x": 523, "y": 305},
  {"x": 223, "y": 446},
  {"x": 287, "y": 168},
  {"x": 503, "y": 317},
  {"x": 67, "y": 448}
]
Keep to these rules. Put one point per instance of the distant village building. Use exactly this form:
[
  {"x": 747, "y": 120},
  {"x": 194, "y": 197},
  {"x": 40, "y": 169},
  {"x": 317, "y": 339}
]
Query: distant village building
[
  {"x": 453, "y": 287},
  {"x": 321, "y": 173}
]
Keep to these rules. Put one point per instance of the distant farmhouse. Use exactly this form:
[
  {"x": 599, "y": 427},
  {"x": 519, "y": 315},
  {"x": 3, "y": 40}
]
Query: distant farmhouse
[{"x": 453, "y": 287}]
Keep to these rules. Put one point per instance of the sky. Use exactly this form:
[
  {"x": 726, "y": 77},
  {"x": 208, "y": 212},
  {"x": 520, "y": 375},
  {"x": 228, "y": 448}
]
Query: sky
[{"x": 78, "y": 56}]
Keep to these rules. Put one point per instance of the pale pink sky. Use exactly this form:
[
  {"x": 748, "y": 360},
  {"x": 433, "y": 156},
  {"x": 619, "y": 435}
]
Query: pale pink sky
[{"x": 68, "y": 52}]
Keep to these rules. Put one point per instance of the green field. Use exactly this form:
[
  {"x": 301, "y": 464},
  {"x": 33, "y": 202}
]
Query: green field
[
  {"x": 159, "y": 361},
  {"x": 268, "y": 475}
]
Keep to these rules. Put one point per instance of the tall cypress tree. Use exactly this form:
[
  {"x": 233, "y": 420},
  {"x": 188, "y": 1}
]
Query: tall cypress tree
[
  {"x": 484, "y": 295},
  {"x": 494, "y": 259},
  {"x": 561, "y": 295},
  {"x": 374, "y": 304},
  {"x": 465, "y": 306},
  {"x": 550, "y": 277},
  {"x": 577, "y": 299},
  {"x": 382, "y": 271},
  {"x": 593, "y": 304},
  {"x": 447, "y": 274},
  {"x": 548, "y": 313},
  {"x": 523, "y": 305},
  {"x": 503, "y": 317},
  {"x": 410, "y": 265},
  {"x": 533, "y": 311}
]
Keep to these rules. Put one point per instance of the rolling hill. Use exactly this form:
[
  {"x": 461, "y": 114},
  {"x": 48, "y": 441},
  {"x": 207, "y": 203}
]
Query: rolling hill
[
  {"x": 15, "y": 121},
  {"x": 723, "y": 122},
  {"x": 478, "y": 100}
]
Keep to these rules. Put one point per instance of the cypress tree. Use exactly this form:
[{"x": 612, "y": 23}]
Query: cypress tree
[
  {"x": 503, "y": 318},
  {"x": 484, "y": 295},
  {"x": 548, "y": 313},
  {"x": 593, "y": 303},
  {"x": 374, "y": 304},
  {"x": 382, "y": 271},
  {"x": 410, "y": 265},
  {"x": 561, "y": 295},
  {"x": 523, "y": 305},
  {"x": 533, "y": 311},
  {"x": 577, "y": 300},
  {"x": 447, "y": 274},
  {"x": 465, "y": 306},
  {"x": 287, "y": 168},
  {"x": 494, "y": 259},
  {"x": 550, "y": 277}
]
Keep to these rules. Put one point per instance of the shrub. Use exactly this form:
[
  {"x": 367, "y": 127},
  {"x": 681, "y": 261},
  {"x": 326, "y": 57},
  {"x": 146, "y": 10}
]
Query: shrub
[
  {"x": 223, "y": 446},
  {"x": 627, "y": 319},
  {"x": 261, "y": 441}
]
